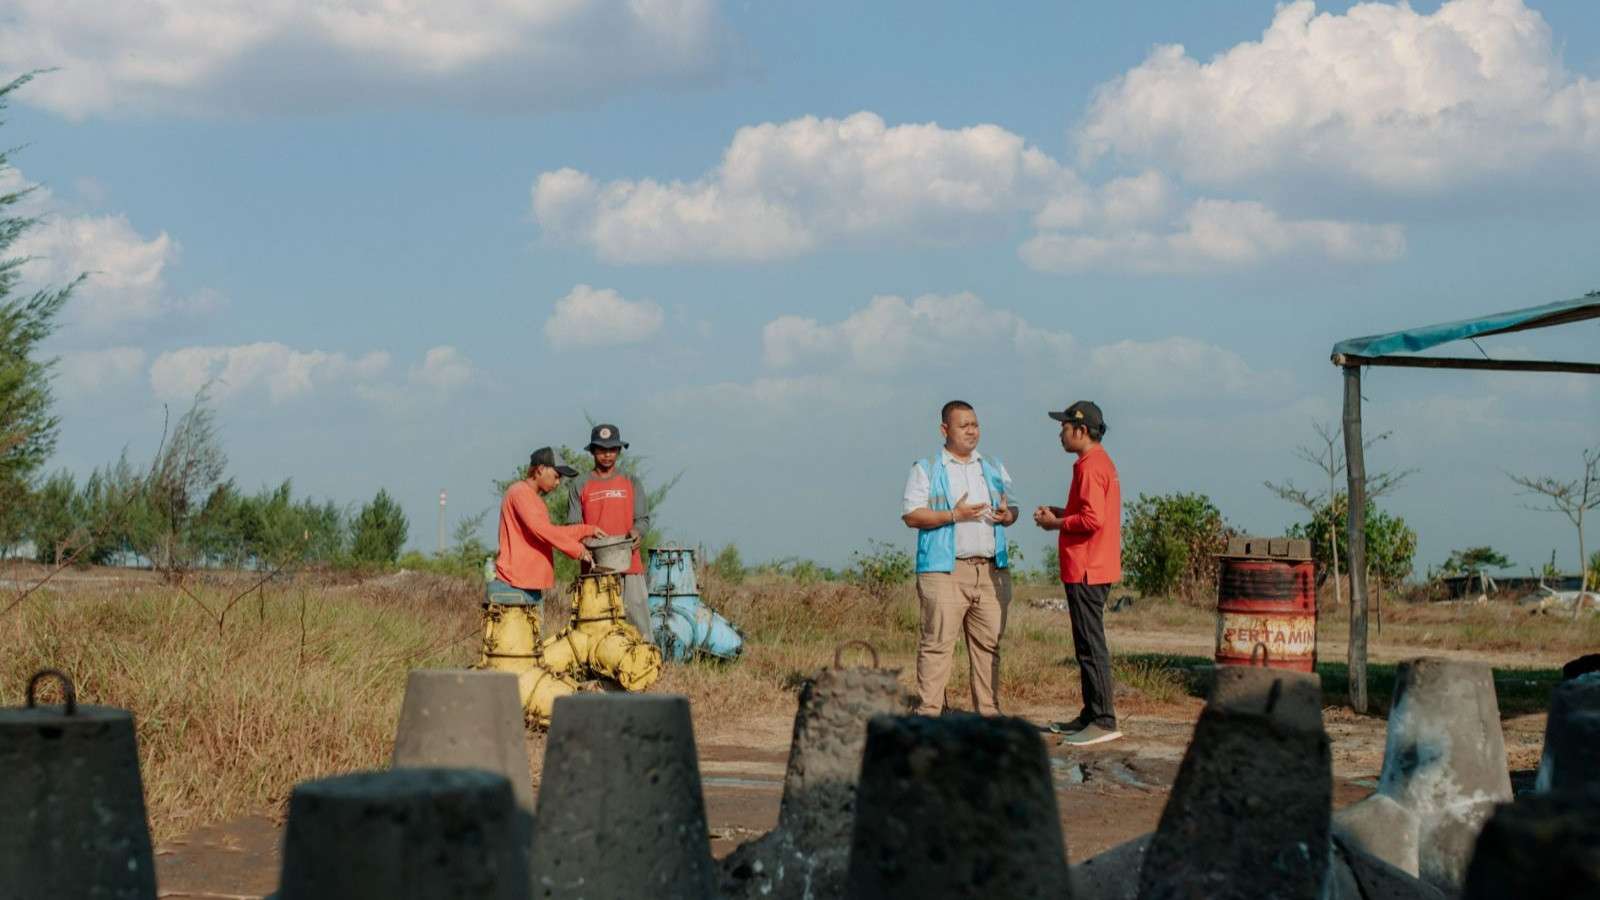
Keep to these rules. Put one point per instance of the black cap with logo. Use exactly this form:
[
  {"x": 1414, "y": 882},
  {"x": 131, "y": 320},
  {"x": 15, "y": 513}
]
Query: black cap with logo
[
  {"x": 544, "y": 456},
  {"x": 1083, "y": 412},
  {"x": 606, "y": 437}
]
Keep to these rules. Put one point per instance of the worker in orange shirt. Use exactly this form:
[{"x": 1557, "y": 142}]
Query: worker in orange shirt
[
  {"x": 1090, "y": 544},
  {"x": 525, "y": 568}
]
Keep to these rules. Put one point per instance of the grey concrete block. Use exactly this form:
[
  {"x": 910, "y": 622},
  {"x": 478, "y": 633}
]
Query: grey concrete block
[
  {"x": 1248, "y": 815},
  {"x": 1380, "y": 826},
  {"x": 621, "y": 812},
  {"x": 808, "y": 854},
  {"x": 1571, "y": 758},
  {"x": 465, "y": 719},
  {"x": 1290, "y": 697},
  {"x": 1112, "y": 875},
  {"x": 72, "y": 813},
  {"x": 1360, "y": 875},
  {"x": 1543, "y": 845},
  {"x": 1445, "y": 760},
  {"x": 956, "y": 806},
  {"x": 406, "y": 834}
]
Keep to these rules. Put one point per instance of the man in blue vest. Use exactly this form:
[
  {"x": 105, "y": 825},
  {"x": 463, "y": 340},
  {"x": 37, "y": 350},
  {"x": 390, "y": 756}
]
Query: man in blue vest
[{"x": 957, "y": 500}]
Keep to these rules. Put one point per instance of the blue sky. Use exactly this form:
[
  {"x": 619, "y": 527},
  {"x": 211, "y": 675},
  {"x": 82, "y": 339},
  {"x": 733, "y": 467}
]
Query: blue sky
[{"x": 769, "y": 240}]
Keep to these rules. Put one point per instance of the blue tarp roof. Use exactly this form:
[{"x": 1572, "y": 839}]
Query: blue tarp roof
[{"x": 1413, "y": 340}]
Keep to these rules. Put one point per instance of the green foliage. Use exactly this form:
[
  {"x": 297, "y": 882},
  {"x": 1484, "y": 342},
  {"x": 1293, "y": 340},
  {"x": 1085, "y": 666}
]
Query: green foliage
[
  {"x": 184, "y": 475},
  {"x": 379, "y": 531},
  {"x": 1050, "y": 568},
  {"x": 801, "y": 571},
  {"x": 54, "y": 517},
  {"x": 1168, "y": 543},
  {"x": 1391, "y": 544},
  {"x": 28, "y": 430},
  {"x": 1473, "y": 560},
  {"x": 880, "y": 569},
  {"x": 727, "y": 565}
]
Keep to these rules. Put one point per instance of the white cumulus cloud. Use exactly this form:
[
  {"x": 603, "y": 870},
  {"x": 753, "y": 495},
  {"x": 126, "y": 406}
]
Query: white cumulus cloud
[
  {"x": 781, "y": 399},
  {"x": 151, "y": 57},
  {"x": 889, "y": 334},
  {"x": 88, "y": 372},
  {"x": 1383, "y": 97},
  {"x": 1215, "y": 236},
  {"x": 282, "y": 373},
  {"x": 788, "y": 188},
  {"x": 1179, "y": 368},
  {"x": 600, "y": 317},
  {"x": 126, "y": 284},
  {"x": 783, "y": 190},
  {"x": 279, "y": 374}
]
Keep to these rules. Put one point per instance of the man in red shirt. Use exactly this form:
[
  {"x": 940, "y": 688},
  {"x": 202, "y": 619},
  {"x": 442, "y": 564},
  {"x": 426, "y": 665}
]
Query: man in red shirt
[
  {"x": 1090, "y": 545},
  {"x": 524, "y": 567},
  {"x": 610, "y": 498}
]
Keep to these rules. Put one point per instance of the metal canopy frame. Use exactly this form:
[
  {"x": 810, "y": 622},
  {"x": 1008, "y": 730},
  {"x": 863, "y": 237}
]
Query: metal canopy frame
[{"x": 1389, "y": 350}]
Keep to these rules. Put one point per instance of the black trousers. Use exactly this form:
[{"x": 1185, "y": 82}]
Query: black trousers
[{"x": 1086, "y": 605}]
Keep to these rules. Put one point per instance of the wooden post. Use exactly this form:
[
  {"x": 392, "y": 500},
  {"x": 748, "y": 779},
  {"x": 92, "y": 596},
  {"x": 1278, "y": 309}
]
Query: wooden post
[{"x": 1356, "y": 537}]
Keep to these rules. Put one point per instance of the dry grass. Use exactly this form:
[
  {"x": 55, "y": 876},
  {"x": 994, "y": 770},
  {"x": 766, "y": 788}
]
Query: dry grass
[
  {"x": 305, "y": 679},
  {"x": 297, "y": 683},
  {"x": 792, "y": 630}
]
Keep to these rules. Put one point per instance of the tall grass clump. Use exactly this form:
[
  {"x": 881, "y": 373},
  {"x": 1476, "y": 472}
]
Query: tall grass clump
[{"x": 233, "y": 710}]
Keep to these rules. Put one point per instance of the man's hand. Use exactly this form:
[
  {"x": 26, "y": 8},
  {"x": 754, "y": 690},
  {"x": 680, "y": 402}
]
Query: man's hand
[
  {"x": 586, "y": 557},
  {"x": 999, "y": 514},
  {"x": 635, "y": 536},
  {"x": 967, "y": 512},
  {"x": 1048, "y": 518}
]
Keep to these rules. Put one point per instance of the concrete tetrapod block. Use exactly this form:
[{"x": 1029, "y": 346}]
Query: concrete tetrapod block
[
  {"x": 1290, "y": 697},
  {"x": 1359, "y": 875},
  {"x": 1381, "y": 827},
  {"x": 1571, "y": 758},
  {"x": 1445, "y": 760},
  {"x": 465, "y": 719},
  {"x": 956, "y": 806},
  {"x": 621, "y": 813},
  {"x": 1543, "y": 845},
  {"x": 1248, "y": 814},
  {"x": 808, "y": 854},
  {"x": 72, "y": 813},
  {"x": 406, "y": 834},
  {"x": 1112, "y": 875}
]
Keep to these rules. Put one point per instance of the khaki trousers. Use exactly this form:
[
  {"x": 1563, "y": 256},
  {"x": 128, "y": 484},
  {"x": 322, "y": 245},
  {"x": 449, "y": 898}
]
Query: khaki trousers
[{"x": 972, "y": 600}]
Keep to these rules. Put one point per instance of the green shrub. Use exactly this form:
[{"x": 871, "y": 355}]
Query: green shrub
[
  {"x": 880, "y": 569},
  {"x": 1168, "y": 545}
]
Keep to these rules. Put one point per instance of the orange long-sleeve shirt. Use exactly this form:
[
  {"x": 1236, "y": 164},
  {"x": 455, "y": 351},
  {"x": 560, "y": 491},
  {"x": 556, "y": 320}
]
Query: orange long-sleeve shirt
[
  {"x": 528, "y": 540},
  {"x": 1091, "y": 531}
]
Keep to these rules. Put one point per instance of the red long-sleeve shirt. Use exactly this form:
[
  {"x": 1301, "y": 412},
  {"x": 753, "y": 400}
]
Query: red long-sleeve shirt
[
  {"x": 1091, "y": 530},
  {"x": 528, "y": 540}
]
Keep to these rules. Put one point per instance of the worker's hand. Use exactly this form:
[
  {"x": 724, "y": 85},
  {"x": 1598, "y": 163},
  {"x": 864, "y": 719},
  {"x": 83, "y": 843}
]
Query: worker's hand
[
  {"x": 635, "y": 536},
  {"x": 996, "y": 515},
  {"x": 600, "y": 533},
  {"x": 967, "y": 512},
  {"x": 586, "y": 557},
  {"x": 1046, "y": 518}
]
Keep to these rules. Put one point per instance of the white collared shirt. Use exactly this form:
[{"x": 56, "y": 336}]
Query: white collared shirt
[{"x": 974, "y": 538}]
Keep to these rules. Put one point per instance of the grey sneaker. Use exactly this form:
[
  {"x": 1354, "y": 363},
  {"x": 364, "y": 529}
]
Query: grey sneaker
[
  {"x": 1091, "y": 734},
  {"x": 1072, "y": 727}
]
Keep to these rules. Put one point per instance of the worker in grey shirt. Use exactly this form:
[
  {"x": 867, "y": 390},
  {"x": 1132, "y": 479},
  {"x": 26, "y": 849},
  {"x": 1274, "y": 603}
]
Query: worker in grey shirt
[{"x": 615, "y": 501}]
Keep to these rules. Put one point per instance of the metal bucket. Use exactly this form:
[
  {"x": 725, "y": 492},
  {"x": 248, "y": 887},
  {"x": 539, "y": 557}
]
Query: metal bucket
[
  {"x": 611, "y": 554},
  {"x": 1267, "y": 612}
]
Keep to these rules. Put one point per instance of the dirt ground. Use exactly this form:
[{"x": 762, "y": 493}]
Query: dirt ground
[{"x": 1106, "y": 794}]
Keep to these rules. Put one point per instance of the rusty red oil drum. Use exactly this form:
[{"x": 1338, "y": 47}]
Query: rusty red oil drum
[{"x": 1267, "y": 613}]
